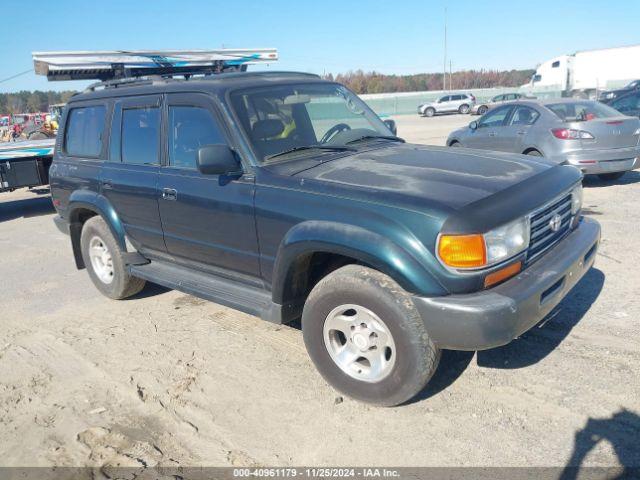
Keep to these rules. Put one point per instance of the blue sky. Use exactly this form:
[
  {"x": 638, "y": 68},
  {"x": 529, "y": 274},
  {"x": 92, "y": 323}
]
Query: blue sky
[{"x": 322, "y": 36}]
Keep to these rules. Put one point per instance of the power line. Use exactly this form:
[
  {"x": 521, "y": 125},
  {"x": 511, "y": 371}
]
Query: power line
[{"x": 16, "y": 75}]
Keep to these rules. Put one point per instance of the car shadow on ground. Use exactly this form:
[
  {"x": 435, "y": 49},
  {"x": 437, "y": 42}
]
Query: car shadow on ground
[
  {"x": 530, "y": 348},
  {"x": 622, "y": 431},
  {"x": 540, "y": 341},
  {"x": 28, "y": 207},
  {"x": 149, "y": 290},
  {"x": 629, "y": 178}
]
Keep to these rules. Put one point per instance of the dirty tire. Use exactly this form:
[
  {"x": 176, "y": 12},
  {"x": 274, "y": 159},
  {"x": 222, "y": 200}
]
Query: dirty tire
[
  {"x": 463, "y": 109},
  {"x": 416, "y": 356},
  {"x": 429, "y": 112},
  {"x": 609, "y": 177},
  {"x": 123, "y": 285},
  {"x": 482, "y": 110}
]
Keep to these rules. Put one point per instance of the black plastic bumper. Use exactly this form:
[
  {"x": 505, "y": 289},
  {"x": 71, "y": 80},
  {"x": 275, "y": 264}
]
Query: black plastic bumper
[
  {"x": 62, "y": 224},
  {"x": 494, "y": 317}
]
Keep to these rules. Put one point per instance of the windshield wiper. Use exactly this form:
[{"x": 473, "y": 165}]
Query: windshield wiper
[
  {"x": 371, "y": 137},
  {"x": 335, "y": 148}
]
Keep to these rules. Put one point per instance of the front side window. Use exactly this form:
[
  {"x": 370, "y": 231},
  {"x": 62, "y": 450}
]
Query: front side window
[
  {"x": 444, "y": 99},
  {"x": 286, "y": 121},
  {"x": 189, "y": 129},
  {"x": 494, "y": 118},
  {"x": 140, "y": 135},
  {"x": 83, "y": 136},
  {"x": 524, "y": 116}
]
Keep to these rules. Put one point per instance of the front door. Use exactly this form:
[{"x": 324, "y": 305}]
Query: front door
[
  {"x": 207, "y": 219},
  {"x": 129, "y": 179},
  {"x": 488, "y": 134}
]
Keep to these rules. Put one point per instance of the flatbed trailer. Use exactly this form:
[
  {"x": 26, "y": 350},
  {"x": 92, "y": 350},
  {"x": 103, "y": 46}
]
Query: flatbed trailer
[{"x": 25, "y": 164}]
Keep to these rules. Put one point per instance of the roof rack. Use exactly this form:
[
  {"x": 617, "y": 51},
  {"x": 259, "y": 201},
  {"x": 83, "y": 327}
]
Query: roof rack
[{"x": 122, "y": 64}]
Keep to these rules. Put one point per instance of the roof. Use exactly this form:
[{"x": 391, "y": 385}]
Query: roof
[{"x": 218, "y": 84}]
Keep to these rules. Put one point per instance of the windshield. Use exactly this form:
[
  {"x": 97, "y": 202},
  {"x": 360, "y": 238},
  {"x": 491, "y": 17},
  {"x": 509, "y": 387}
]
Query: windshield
[
  {"x": 631, "y": 85},
  {"x": 287, "y": 121},
  {"x": 581, "y": 111}
]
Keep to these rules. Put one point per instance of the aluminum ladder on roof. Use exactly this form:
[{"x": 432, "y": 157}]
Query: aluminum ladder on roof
[{"x": 118, "y": 64}]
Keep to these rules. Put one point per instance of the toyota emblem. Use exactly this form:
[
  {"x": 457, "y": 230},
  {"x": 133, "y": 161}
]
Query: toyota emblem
[{"x": 555, "y": 223}]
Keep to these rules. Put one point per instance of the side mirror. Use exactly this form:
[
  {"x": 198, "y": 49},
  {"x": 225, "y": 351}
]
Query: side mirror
[
  {"x": 217, "y": 160},
  {"x": 473, "y": 125},
  {"x": 391, "y": 125}
]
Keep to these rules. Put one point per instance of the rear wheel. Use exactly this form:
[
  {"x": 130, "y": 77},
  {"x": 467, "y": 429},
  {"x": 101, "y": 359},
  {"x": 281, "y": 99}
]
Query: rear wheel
[
  {"x": 429, "y": 112},
  {"x": 482, "y": 110},
  {"x": 534, "y": 153},
  {"x": 455, "y": 144},
  {"x": 366, "y": 337},
  {"x": 608, "y": 177},
  {"x": 103, "y": 258},
  {"x": 463, "y": 109}
]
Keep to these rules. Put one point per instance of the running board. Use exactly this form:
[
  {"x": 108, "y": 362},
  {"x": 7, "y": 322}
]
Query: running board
[{"x": 246, "y": 298}]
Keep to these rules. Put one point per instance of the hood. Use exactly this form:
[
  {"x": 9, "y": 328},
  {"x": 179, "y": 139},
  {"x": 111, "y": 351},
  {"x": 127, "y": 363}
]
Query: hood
[{"x": 423, "y": 178}]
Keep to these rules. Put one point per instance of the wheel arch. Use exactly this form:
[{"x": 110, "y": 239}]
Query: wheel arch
[
  {"x": 294, "y": 271},
  {"x": 530, "y": 149},
  {"x": 84, "y": 205}
]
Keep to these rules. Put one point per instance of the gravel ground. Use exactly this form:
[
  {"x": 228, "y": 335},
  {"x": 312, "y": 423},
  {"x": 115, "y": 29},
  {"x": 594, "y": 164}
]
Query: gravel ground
[{"x": 169, "y": 379}]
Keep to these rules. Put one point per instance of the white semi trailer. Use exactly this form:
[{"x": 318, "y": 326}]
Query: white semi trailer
[{"x": 584, "y": 73}]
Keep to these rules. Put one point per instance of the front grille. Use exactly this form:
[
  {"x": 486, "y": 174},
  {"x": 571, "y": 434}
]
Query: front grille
[{"x": 542, "y": 237}]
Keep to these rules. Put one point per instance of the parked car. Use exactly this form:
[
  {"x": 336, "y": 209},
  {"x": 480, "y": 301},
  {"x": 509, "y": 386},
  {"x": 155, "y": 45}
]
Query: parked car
[
  {"x": 484, "y": 107},
  {"x": 587, "y": 134},
  {"x": 607, "y": 96},
  {"x": 628, "y": 104},
  {"x": 283, "y": 195},
  {"x": 459, "y": 102}
]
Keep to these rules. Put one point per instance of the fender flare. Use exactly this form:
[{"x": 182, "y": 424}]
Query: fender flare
[
  {"x": 370, "y": 248},
  {"x": 86, "y": 200}
]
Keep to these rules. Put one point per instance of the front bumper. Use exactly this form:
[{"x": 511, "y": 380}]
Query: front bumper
[
  {"x": 494, "y": 317},
  {"x": 592, "y": 162},
  {"x": 62, "y": 224}
]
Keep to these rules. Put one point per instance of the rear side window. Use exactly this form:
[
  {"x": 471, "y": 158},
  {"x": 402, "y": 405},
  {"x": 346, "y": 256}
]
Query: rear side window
[
  {"x": 189, "y": 129},
  {"x": 83, "y": 135},
  {"x": 456, "y": 97},
  {"x": 140, "y": 135},
  {"x": 524, "y": 116}
]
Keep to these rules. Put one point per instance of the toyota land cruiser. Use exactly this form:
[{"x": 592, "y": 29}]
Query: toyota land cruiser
[{"x": 283, "y": 195}]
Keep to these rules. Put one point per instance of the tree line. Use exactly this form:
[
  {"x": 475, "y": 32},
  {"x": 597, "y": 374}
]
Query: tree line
[
  {"x": 374, "y": 82},
  {"x": 31, "y": 102}
]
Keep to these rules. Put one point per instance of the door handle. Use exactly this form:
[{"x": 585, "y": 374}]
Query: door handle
[
  {"x": 107, "y": 185},
  {"x": 169, "y": 194},
  {"x": 520, "y": 132}
]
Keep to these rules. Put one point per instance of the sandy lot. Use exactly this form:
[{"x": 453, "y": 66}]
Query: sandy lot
[{"x": 167, "y": 378}]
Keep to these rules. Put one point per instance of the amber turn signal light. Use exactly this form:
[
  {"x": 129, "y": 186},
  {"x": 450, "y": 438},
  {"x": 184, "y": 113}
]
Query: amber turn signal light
[
  {"x": 462, "y": 251},
  {"x": 502, "y": 274}
]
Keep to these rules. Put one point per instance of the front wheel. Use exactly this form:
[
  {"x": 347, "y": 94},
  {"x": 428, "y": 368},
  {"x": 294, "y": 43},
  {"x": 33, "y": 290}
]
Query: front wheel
[
  {"x": 429, "y": 112},
  {"x": 366, "y": 338},
  {"x": 103, "y": 258},
  {"x": 482, "y": 110},
  {"x": 609, "y": 177}
]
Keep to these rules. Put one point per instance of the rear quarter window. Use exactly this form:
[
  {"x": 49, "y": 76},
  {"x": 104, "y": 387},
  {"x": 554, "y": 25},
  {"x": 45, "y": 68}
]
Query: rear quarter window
[{"x": 84, "y": 131}]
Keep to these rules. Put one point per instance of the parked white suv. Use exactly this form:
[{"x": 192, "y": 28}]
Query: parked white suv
[{"x": 459, "y": 102}]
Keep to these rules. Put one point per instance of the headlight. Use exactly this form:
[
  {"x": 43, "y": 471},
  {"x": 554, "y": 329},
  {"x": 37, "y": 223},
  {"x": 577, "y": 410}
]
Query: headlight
[
  {"x": 477, "y": 251},
  {"x": 576, "y": 199}
]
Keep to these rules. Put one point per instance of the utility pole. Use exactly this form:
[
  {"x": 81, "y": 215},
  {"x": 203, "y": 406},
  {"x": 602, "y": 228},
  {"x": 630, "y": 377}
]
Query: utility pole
[
  {"x": 444, "y": 76},
  {"x": 450, "y": 76}
]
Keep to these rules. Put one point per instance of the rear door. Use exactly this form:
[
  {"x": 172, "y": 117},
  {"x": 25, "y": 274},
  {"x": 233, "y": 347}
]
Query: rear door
[
  {"x": 207, "y": 219},
  {"x": 513, "y": 136},
  {"x": 129, "y": 180}
]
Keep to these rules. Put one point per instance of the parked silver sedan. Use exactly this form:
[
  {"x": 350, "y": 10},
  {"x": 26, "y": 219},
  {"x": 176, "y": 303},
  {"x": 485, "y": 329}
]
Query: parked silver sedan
[{"x": 589, "y": 135}]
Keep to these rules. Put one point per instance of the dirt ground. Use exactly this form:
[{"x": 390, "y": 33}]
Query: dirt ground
[{"x": 167, "y": 378}]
